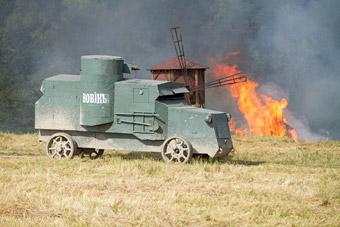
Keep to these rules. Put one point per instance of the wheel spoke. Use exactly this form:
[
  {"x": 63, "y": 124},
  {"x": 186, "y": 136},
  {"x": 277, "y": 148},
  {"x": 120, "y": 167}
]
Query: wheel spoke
[
  {"x": 172, "y": 145},
  {"x": 184, "y": 149},
  {"x": 178, "y": 143},
  {"x": 54, "y": 154},
  {"x": 183, "y": 156},
  {"x": 59, "y": 155},
  {"x": 169, "y": 148}
]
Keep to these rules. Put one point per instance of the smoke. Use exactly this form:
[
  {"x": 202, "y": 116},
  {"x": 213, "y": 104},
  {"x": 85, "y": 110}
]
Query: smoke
[
  {"x": 139, "y": 30},
  {"x": 300, "y": 42},
  {"x": 292, "y": 44},
  {"x": 296, "y": 46}
]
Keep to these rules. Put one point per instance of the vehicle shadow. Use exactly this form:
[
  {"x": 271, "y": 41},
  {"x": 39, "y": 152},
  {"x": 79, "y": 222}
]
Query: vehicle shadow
[
  {"x": 135, "y": 156},
  {"x": 196, "y": 158},
  {"x": 226, "y": 160},
  {"x": 20, "y": 154},
  {"x": 244, "y": 162}
]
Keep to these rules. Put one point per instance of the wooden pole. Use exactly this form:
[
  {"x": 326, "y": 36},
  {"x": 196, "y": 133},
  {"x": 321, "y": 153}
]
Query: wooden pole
[
  {"x": 169, "y": 75},
  {"x": 197, "y": 97}
]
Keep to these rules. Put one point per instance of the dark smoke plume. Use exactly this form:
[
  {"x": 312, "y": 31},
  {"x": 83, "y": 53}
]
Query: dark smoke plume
[{"x": 291, "y": 44}]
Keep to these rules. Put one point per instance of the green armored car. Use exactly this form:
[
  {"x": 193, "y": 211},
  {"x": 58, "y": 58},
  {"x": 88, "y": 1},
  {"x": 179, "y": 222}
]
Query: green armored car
[{"x": 99, "y": 109}]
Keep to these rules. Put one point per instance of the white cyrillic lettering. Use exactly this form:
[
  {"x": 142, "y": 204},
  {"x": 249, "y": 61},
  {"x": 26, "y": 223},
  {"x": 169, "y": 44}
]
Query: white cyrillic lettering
[{"x": 97, "y": 98}]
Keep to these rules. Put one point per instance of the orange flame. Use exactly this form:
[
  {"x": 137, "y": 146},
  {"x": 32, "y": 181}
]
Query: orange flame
[{"x": 264, "y": 115}]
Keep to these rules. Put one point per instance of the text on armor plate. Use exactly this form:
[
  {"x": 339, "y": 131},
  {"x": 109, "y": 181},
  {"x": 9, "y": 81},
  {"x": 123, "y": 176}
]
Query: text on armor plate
[{"x": 97, "y": 98}]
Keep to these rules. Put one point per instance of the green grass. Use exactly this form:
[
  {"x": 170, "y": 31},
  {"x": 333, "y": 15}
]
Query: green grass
[{"x": 267, "y": 181}]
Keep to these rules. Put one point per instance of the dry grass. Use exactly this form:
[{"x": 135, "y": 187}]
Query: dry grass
[{"x": 267, "y": 182}]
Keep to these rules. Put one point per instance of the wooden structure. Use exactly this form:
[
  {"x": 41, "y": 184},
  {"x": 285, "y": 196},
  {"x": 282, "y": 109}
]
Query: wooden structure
[{"x": 194, "y": 78}]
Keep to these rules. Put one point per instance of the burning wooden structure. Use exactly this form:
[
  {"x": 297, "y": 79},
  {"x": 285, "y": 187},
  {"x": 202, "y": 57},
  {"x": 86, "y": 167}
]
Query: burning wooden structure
[
  {"x": 194, "y": 78},
  {"x": 264, "y": 114},
  {"x": 189, "y": 73}
]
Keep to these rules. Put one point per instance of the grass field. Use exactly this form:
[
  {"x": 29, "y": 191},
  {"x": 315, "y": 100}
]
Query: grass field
[{"x": 267, "y": 181}]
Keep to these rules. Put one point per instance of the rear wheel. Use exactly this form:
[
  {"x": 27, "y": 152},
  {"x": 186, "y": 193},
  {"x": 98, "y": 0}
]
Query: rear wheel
[
  {"x": 91, "y": 152},
  {"x": 96, "y": 153},
  {"x": 177, "y": 149},
  {"x": 60, "y": 146}
]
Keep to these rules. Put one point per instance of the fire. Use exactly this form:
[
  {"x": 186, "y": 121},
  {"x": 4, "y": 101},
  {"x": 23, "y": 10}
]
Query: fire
[{"x": 264, "y": 115}]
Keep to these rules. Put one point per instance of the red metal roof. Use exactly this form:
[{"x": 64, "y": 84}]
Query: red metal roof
[{"x": 174, "y": 64}]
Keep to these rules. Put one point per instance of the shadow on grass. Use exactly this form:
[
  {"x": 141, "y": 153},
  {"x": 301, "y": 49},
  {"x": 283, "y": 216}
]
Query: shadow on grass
[
  {"x": 196, "y": 158},
  {"x": 151, "y": 156},
  {"x": 28, "y": 154},
  {"x": 136, "y": 156},
  {"x": 225, "y": 160},
  {"x": 244, "y": 162}
]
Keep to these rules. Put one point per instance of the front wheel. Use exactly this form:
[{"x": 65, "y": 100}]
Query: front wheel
[{"x": 177, "y": 149}]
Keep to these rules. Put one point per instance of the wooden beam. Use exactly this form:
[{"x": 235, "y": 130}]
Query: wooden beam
[{"x": 197, "y": 96}]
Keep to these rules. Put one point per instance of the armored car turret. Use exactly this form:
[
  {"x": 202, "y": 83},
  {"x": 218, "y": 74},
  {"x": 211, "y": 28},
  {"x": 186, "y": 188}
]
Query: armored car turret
[{"x": 99, "y": 109}]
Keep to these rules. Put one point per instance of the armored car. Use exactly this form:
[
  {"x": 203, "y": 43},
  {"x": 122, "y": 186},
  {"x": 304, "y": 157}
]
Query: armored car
[{"x": 99, "y": 109}]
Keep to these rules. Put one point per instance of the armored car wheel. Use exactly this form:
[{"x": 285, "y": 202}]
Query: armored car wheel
[
  {"x": 91, "y": 152},
  {"x": 96, "y": 153},
  {"x": 177, "y": 149},
  {"x": 61, "y": 145}
]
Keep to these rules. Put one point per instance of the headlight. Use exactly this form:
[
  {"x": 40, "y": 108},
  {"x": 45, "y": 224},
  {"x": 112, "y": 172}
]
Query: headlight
[
  {"x": 208, "y": 119},
  {"x": 228, "y": 117}
]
